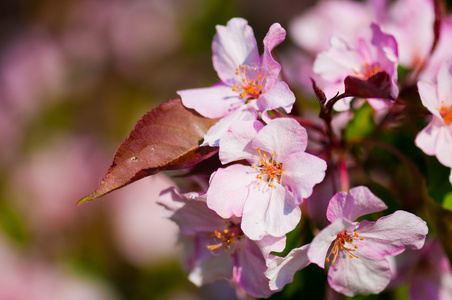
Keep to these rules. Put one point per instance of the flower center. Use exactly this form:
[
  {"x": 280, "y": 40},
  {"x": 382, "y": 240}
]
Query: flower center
[
  {"x": 269, "y": 170},
  {"x": 446, "y": 114},
  {"x": 232, "y": 234},
  {"x": 368, "y": 70},
  {"x": 251, "y": 82},
  {"x": 341, "y": 243}
]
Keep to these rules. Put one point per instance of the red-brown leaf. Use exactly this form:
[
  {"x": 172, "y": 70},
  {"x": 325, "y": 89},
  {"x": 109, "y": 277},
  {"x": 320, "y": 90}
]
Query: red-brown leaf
[
  {"x": 166, "y": 138},
  {"x": 377, "y": 86}
]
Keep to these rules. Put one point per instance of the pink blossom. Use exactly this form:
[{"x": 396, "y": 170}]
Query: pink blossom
[
  {"x": 374, "y": 52},
  {"x": 43, "y": 191},
  {"x": 217, "y": 248},
  {"x": 267, "y": 192},
  {"x": 436, "y": 138},
  {"x": 355, "y": 252},
  {"x": 313, "y": 29},
  {"x": 249, "y": 82},
  {"x": 26, "y": 277},
  {"x": 410, "y": 21}
]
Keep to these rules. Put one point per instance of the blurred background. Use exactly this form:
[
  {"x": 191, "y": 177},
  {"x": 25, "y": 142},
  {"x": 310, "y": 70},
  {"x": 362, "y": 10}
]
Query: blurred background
[{"x": 75, "y": 76}]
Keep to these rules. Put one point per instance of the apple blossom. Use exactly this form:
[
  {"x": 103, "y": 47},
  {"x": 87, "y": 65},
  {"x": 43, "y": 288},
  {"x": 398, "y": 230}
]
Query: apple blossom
[
  {"x": 355, "y": 252},
  {"x": 218, "y": 248},
  {"x": 266, "y": 193},
  {"x": 436, "y": 138},
  {"x": 249, "y": 82},
  {"x": 374, "y": 52}
]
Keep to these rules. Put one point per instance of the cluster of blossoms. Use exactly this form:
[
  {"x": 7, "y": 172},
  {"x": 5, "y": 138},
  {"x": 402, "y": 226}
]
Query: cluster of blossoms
[
  {"x": 236, "y": 225},
  {"x": 254, "y": 200}
]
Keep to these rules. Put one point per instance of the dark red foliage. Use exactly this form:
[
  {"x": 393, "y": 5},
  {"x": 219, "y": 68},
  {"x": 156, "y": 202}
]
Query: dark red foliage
[{"x": 166, "y": 138}]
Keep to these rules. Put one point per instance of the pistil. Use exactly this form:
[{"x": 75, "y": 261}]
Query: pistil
[{"x": 269, "y": 170}]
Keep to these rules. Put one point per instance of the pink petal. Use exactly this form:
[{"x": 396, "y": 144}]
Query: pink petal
[
  {"x": 367, "y": 274},
  {"x": 236, "y": 143},
  {"x": 279, "y": 95},
  {"x": 212, "y": 102},
  {"x": 302, "y": 171},
  {"x": 338, "y": 61},
  {"x": 386, "y": 48},
  {"x": 234, "y": 45},
  {"x": 282, "y": 136},
  {"x": 282, "y": 269},
  {"x": 216, "y": 132},
  {"x": 358, "y": 202},
  {"x": 276, "y": 34},
  {"x": 189, "y": 211},
  {"x": 267, "y": 211},
  {"x": 249, "y": 273},
  {"x": 392, "y": 234},
  {"x": 322, "y": 241},
  {"x": 380, "y": 104},
  {"x": 444, "y": 145},
  {"x": 205, "y": 267},
  {"x": 444, "y": 83},
  {"x": 426, "y": 140},
  {"x": 229, "y": 190},
  {"x": 429, "y": 97},
  {"x": 270, "y": 243}
]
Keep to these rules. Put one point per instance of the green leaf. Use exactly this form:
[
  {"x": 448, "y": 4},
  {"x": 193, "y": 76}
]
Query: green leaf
[
  {"x": 447, "y": 202},
  {"x": 362, "y": 124}
]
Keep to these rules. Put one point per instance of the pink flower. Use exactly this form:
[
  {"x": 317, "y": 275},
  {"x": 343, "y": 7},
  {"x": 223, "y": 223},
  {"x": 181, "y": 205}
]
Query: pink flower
[
  {"x": 217, "y": 247},
  {"x": 374, "y": 52},
  {"x": 436, "y": 138},
  {"x": 266, "y": 193},
  {"x": 355, "y": 252},
  {"x": 135, "y": 216},
  {"x": 410, "y": 21},
  {"x": 313, "y": 29},
  {"x": 249, "y": 82}
]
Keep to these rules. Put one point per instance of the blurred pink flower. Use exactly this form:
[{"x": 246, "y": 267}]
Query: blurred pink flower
[
  {"x": 427, "y": 271},
  {"x": 23, "y": 278},
  {"x": 125, "y": 34},
  {"x": 49, "y": 182},
  {"x": 409, "y": 21},
  {"x": 441, "y": 53},
  {"x": 314, "y": 28},
  {"x": 141, "y": 234},
  {"x": 32, "y": 72}
]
